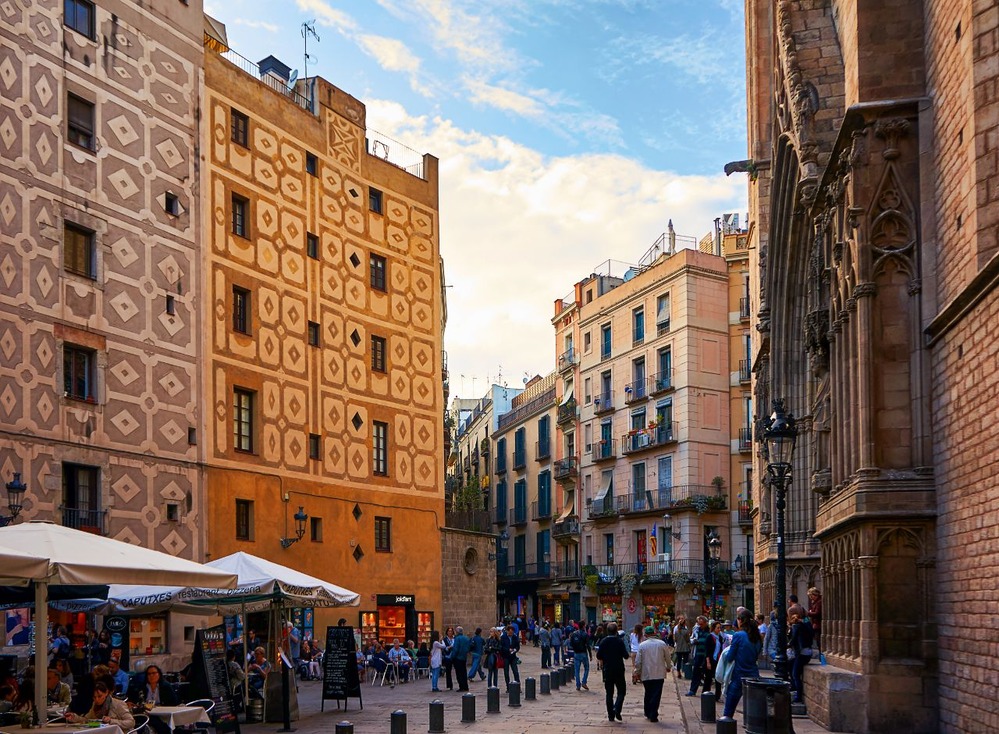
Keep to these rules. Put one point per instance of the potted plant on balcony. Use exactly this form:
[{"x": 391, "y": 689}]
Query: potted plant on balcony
[{"x": 627, "y": 583}]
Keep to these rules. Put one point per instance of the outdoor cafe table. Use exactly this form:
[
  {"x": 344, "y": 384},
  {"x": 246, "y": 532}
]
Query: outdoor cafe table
[
  {"x": 64, "y": 728},
  {"x": 175, "y": 716}
]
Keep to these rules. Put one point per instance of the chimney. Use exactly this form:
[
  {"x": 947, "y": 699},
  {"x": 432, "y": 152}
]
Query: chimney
[
  {"x": 274, "y": 74},
  {"x": 718, "y": 236}
]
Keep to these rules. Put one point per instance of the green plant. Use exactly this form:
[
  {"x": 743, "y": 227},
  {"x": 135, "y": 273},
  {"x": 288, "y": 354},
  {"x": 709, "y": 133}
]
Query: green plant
[
  {"x": 679, "y": 579},
  {"x": 627, "y": 583},
  {"x": 468, "y": 496},
  {"x": 592, "y": 581},
  {"x": 719, "y": 482}
]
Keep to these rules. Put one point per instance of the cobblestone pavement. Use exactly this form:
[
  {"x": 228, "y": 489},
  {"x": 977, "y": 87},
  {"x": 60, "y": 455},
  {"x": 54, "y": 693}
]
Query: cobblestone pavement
[{"x": 565, "y": 710}]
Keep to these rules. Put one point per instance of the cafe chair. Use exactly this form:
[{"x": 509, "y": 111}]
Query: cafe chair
[
  {"x": 208, "y": 705},
  {"x": 141, "y": 724}
]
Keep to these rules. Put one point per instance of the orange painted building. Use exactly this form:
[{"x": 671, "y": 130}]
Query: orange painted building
[{"x": 323, "y": 343}]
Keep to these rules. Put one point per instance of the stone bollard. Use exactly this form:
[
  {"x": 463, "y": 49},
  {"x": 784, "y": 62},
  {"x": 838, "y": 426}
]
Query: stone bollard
[
  {"x": 727, "y": 726},
  {"x": 556, "y": 679},
  {"x": 529, "y": 689},
  {"x": 436, "y": 716},
  {"x": 344, "y": 727},
  {"x": 514, "y": 693},
  {"x": 568, "y": 676},
  {"x": 468, "y": 708},
  {"x": 708, "y": 707},
  {"x": 398, "y": 725},
  {"x": 546, "y": 684},
  {"x": 492, "y": 700}
]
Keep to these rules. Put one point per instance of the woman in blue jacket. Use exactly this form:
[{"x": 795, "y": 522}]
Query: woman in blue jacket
[{"x": 743, "y": 654}]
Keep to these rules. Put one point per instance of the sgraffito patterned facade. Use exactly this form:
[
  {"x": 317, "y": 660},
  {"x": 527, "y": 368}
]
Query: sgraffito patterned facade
[
  {"x": 100, "y": 267},
  {"x": 311, "y": 350}
]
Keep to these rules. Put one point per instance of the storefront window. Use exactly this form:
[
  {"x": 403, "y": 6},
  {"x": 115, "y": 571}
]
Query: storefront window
[{"x": 147, "y": 635}]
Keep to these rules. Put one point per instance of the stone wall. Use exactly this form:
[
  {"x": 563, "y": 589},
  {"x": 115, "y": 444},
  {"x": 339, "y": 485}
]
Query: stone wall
[{"x": 469, "y": 580}]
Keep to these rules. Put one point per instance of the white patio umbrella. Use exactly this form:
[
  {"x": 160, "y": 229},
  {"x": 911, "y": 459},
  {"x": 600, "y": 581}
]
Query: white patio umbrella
[{"x": 43, "y": 553}]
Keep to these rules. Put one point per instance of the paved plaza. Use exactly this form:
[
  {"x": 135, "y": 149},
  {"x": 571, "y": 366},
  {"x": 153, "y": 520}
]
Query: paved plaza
[{"x": 565, "y": 710}]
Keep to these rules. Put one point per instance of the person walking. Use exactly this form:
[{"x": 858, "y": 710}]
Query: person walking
[
  {"x": 459, "y": 658},
  {"x": 477, "y": 646},
  {"x": 612, "y": 653},
  {"x": 681, "y": 638},
  {"x": 511, "y": 646},
  {"x": 652, "y": 663},
  {"x": 493, "y": 650},
  {"x": 579, "y": 643},
  {"x": 557, "y": 643},
  {"x": 801, "y": 642},
  {"x": 448, "y": 665},
  {"x": 815, "y": 615},
  {"x": 634, "y": 639},
  {"x": 702, "y": 649},
  {"x": 545, "y": 640},
  {"x": 437, "y": 650},
  {"x": 742, "y": 654}
]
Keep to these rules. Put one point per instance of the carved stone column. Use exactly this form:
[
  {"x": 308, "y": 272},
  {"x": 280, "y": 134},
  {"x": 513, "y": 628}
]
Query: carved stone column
[{"x": 868, "y": 566}]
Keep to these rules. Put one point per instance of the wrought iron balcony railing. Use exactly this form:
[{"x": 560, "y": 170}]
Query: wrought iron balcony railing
[{"x": 565, "y": 469}]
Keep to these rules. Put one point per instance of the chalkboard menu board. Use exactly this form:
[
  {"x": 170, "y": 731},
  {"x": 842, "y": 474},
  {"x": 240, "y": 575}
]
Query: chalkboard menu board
[
  {"x": 340, "y": 679},
  {"x": 210, "y": 678}
]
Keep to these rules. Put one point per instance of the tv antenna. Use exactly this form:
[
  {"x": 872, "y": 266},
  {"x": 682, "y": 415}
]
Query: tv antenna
[{"x": 309, "y": 29}]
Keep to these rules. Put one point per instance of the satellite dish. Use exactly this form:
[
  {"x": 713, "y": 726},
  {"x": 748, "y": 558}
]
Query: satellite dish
[{"x": 293, "y": 78}]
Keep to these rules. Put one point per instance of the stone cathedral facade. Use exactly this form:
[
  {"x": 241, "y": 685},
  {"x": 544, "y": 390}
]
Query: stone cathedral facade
[{"x": 873, "y": 135}]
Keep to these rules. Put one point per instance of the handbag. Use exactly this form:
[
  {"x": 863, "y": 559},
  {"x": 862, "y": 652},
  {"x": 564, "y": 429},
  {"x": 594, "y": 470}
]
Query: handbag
[{"x": 636, "y": 676}]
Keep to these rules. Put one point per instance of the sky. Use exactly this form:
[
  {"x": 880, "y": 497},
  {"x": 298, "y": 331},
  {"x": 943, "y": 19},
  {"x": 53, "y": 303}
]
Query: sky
[{"x": 569, "y": 132}]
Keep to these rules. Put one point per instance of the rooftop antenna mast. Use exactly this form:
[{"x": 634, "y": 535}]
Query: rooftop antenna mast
[{"x": 309, "y": 29}]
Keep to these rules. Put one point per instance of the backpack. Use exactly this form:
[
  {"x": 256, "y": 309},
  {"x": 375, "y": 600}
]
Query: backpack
[
  {"x": 62, "y": 649},
  {"x": 578, "y": 641}
]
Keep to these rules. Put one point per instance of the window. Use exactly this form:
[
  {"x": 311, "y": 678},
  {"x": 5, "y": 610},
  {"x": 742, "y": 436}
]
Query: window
[
  {"x": 240, "y": 212},
  {"x": 171, "y": 305},
  {"x": 240, "y": 310},
  {"x": 316, "y": 529},
  {"x": 609, "y": 548},
  {"x": 81, "y": 497},
  {"x": 79, "y": 250},
  {"x": 313, "y": 334},
  {"x": 380, "y": 448},
  {"x": 378, "y": 268},
  {"x": 587, "y": 391},
  {"x": 80, "y": 117},
  {"x": 312, "y": 246},
  {"x": 79, "y": 367},
  {"x": 605, "y": 341},
  {"x": 383, "y": 534},
  {"x": 244, "y": 520},
  {"x": 240, "y": 128},
  {"x": 192, "y": 436},
  {"x": 242, "y": 419},
  {"x": 172, "y": 512},
  {"x": 638, "y": 326},
  {"x": 375, "y": 200},
  {"x": 311, "y": 164},
  {"x": 79, "y": 15},
  {"x": 378, "y": 353},
  {"x": 314, "y": 445},
  {"x": 172, "y": 204},
  {"x": 662, "y": 315},
  {"x": 586, "y": 343}
]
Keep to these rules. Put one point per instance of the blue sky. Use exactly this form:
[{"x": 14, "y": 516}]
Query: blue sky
[{"x": 568, "y": 132}]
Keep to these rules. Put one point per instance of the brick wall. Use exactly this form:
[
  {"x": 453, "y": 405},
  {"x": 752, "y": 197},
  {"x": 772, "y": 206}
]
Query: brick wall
[
  {"x": 469, "y": 580},
  {"x": 985, "y": 47},
  {"x": 966, "y": 456}
]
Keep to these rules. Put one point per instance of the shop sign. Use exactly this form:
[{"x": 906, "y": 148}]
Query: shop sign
[
  {"x": 389, "y": 600},
  {"x": 610, "y": 599},
  {"x": 649, "y": 599}
]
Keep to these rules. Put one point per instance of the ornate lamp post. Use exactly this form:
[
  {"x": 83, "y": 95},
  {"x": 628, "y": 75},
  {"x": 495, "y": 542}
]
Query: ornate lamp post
[
  {"x": 714, "y": 553},
  {"x": 15, "y": 496},
  {"x": 779, "y": 435},
  {"x": 300, "y": 518}
]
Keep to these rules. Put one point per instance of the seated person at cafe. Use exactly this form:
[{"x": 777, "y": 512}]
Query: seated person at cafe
[
  {"x": 58, "y": 692},
  {"x": 64, "y": 672},
  {"x": 362, "y": 667},
  {"x": 236, "y": 672},
  {"x": 83, "y": 699},
  {"x": 119, "y": 676},
  {"x": 8, "y": 698},
  {"x": 151, "y": 688},
  {"x": 106, "y": 709},
  {"x": 259, "y": 669},
  {"x": 379, "y": 658},
  {"x": 399, "y": 656}
]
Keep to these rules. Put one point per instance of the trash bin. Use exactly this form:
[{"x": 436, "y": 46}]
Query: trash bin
[{"x": 766, "y": 706}]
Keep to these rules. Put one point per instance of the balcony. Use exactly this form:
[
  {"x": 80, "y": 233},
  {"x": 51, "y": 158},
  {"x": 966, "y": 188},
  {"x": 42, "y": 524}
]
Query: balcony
[
  {"x": 567, "y": 360},
  {"x": 661, "y": 383},
  {"x": 566, "y": 469},
  {"x": 518, "y": 515},
  {"x": 745, "y": 439},
  {"x": 744, "y": 308},
  {"x": 541, "y": 511},
  {"x": 500, "y": 516},
  {"x": 566, "y": 412},
  {"x": 636, "y": 391},
  {"x": 475, "y": 455},
  {"x": 519, "y": 459},
  {"x": 566, "y": 529},
  {"x": 701, "y": 497},
  {"x": 676, "y": 571},
  {"x": 647, "y": 438},
  {"x": 603, "y": 509},
  {"x": 89, "y": 521},
  {"x": 524, "y": 571},
  {"x": 603, "y": 403},
  {"x": 745, "y": 370},
  {"x": 603, "y": 450},
  {"x": 746, "y": 514},
  {"x": 542, "y": 450},
  {"x": 662, "y": 328},
  {"x": 467, "y": 463},
  {"x": 479, "y": 521},
  {"x": 565, "y": 570},
  {"x": 484, "y": 447}
]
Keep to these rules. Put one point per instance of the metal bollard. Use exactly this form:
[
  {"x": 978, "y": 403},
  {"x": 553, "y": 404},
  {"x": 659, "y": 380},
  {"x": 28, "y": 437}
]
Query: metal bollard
[
  {"x": 514, "y": 694},
  {"x": 546, "y": 684},
  {"x": 436, "y": 716},
  {"x": 529, "y": 689},
  {"x": 344, "y": 727},
  {"x": 398, "y": 725},
  {"x": 556, "y": 679},
  {"x": 708, "y": 707},
  {"x": 492, "y": 700},
  {"x": 468, "y": 708},
  {"x": 727, "y": 726},
  {"x": 568, "y": 676}
]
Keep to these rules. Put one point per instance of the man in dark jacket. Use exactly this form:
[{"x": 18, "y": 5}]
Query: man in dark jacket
[
  {"x": 459, "y": 658},
  {"x": 478, "y": 644},
  {"x": 510, "y": 647},
  {"x": 702, "y": 651},
  {"x": 612, "y": 652}
]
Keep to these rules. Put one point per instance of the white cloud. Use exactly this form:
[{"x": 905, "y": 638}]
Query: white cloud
[
  {"x": 327, "y": 15},
  {"x": 259, "y": 24},
  {"x": 393, "y": 55},
  {"x": 518, "y": 229},
  {"x": 503, "y": 99}
]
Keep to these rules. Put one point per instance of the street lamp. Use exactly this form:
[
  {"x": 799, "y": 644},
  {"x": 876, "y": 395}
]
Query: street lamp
[
  {"x": 714, "y": 554},
  {"x": 15, "y": 496},
  {"x": 779, "y": 435},
  {"x": 300, "y": 518}
]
